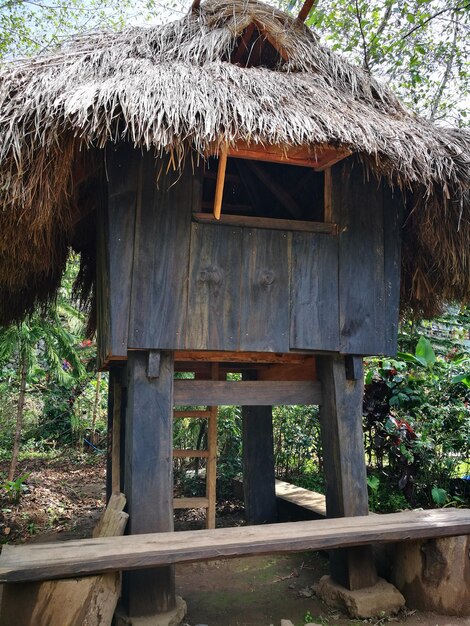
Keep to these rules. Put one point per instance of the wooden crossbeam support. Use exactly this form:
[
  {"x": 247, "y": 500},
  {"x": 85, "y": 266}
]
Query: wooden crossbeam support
[
  {"x": 246, "y": 393},
  {"x": 247, "y": 221},
  {"x": 318, "y": 157},
  {"x": 219, "y": 186}
]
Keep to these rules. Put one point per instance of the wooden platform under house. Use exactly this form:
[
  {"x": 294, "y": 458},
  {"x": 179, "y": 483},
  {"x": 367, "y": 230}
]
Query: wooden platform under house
[{"x": 244, "y": 201}]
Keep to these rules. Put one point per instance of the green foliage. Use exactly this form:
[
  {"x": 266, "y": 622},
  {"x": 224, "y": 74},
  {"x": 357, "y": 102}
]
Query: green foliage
[
  {"x": 12, "y": 489},
  {"x": 420, "y": 46},
  {"x": 28, "y": 27},
  {"x": 417, "y": 418}
]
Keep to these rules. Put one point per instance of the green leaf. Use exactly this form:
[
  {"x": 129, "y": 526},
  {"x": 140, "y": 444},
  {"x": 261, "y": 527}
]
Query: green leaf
[
  {"x": 439, "y": 496},
  {"x": 462, "y": 378},
  {"x": 425, "y": 353},
  {"x": 373, "y": 482}
]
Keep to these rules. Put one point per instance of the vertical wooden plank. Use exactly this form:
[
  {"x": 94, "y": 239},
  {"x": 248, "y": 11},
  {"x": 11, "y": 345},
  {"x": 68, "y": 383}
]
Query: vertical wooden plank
[
  {"x": 103, "y": 321},
  {"x": 344, "y": 465},
  {"x": 122, "y": 164},
  {"x": 258, "y": 462},
  {"x": 264, "y": 319},
  {"x": 160, "y": 276},
  {"x": 393, "y": 207},
  {"x": 109, "y": 433},
  {"x": 214, "y": 287},
  {"x": 116, "y": 447},
  {"x": 211, "y": 468},
  {"x": 361, "y": 259},
  {"x": 149, "y": 478},
  {"x": 314, "y": 292}
]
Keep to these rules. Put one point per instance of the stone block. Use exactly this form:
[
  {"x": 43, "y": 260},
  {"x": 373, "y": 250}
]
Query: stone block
[
  {"x": 379, "y": 600},
  {"x": 170, "y": 618}
]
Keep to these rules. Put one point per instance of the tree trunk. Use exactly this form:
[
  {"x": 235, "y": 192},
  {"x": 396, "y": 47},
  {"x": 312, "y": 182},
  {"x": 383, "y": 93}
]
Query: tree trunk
[
  {"x": 19, "y": 420},
  {"x": 96, "y": 405}
]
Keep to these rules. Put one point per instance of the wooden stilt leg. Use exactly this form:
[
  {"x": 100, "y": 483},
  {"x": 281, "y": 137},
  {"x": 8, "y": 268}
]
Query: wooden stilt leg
[
  {"x": 211, "y": 468},
  {"x": 148, "y": 477},
  {"x": 344, "y": 464},
  {"x": 109, "y": 433},
  {"x": 258, "y": 464}
]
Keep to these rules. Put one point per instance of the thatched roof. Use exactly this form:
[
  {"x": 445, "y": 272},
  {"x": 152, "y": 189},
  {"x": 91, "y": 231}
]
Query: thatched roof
[{"x": 178, "y": 88}]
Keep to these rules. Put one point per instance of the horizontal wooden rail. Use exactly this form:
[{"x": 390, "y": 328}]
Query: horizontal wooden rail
[
  {"x": 91, "y": 556},
  {"x": 183, "y": 414},
  {"x": 245, "y": 393},
  {"x": 190, "y": 503},
  {"x": 182, "y": 454},
  {"x": 271, "y": 223}
]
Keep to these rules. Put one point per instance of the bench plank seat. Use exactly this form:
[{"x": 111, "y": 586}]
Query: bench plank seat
[{"x": 90, "y": 556}]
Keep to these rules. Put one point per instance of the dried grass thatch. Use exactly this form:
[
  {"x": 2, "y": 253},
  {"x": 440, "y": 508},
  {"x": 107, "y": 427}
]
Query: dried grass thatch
[{"x": 173, "y": 88}]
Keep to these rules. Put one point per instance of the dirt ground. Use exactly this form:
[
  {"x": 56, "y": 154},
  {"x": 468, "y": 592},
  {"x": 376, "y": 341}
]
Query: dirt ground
[{"x": 65, "y": 497}]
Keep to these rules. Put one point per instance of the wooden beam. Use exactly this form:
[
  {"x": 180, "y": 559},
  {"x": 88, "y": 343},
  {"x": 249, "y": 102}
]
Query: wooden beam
[
  {"x": 211, "y": 356},
  {"x": 258, "y": 462},
  {"x": 190, "y": 454},
  {"x": 183, "y": 414},
  {"x": 344, "y": 465},
  {"x": 148, "y": 477},
  {"x": 246, "y": 393},
  {"x": 89, "y": 556},
  {"x": 318, "y": 157},
  {"x": 190, "y": 503},
  {"x": 219, "y": 185},
  {"x": 268, "y": 222},
  {"x": 116, "y": 471},
  {"x": 305, "y": 10}
]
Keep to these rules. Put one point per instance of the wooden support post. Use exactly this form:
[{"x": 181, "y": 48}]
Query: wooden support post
[
  {"x": 115, "y": 431},
  {"x": 109, "y": 433},
  {"x": 344, "y": 465},
  {"x": 211, "y": 467},
  {"x": 148, "y": 477},
  {"x": 258, "y": 463}
]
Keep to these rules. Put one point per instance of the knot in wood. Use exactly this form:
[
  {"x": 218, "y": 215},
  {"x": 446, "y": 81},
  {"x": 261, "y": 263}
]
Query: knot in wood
[
  {"x": 211, "y": 275},
  {"x": 267, "y": 277}
]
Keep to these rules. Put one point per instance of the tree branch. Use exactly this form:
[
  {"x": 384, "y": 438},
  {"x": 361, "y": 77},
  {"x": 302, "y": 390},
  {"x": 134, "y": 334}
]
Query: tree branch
[
  {"x": 447, "y": 72},
  {"x": 431, "y": 17},
  {"x": 363, "y": 37}
]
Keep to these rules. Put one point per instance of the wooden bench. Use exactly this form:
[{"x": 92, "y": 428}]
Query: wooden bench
[
  {"x": 311, "y": 501},
  {"x": 91, "y": 556}
]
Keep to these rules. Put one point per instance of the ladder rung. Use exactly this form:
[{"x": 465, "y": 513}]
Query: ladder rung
[
  {"x": 203, "y": 454},
  {"x": 190, "y": 503},
  {"x": 178, "y": 414}
]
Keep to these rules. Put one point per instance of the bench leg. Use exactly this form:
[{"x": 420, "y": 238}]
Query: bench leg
[
  {"x": 148, "y": 476},
  {"x": 344, "y": 463}
]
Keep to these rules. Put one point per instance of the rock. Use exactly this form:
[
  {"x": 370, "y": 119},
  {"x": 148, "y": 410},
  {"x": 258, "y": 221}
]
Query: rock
[
  {"x": 306, "y": 593},
  {"x": 286, "y": 622},
  {"x": 380, "y": 600}
]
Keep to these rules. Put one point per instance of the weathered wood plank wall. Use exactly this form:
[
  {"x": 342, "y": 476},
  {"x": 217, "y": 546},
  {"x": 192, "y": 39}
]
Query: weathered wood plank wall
[{"x": 213, "y": 287}]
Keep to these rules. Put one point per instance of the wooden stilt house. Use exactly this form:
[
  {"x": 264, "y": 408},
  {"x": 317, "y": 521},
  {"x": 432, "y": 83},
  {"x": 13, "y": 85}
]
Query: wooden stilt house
[{"x": 243, "y": 200}]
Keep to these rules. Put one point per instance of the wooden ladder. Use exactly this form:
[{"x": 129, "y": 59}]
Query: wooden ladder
[{"x": 209, "y": 502}]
